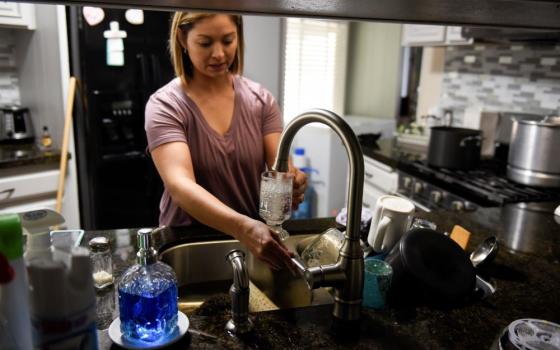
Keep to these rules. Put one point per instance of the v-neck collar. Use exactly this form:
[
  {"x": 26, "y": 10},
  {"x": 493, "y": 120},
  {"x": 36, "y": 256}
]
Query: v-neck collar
[{"x": 234, "y": 117}]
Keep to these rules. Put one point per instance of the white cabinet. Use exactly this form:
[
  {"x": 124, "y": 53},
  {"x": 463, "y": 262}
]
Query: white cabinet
[
  {"x": 370, "y": 196},
  {"x": 28, "y": 191},
  {"x": 17, "y": 15},
  {"x": 432, "y": 35},
  {"x": 419, "y": 34},
  {"x": 379, "y": 179},
  {"x": 453, "y": 35}
]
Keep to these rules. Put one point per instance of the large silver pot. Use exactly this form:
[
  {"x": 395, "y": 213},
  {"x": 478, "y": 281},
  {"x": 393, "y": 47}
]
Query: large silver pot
[{"x": 534, "y": 152}]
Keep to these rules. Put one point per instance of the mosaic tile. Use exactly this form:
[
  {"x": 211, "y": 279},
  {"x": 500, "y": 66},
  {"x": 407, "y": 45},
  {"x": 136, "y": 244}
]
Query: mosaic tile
[{"x": 523, "y": 85}]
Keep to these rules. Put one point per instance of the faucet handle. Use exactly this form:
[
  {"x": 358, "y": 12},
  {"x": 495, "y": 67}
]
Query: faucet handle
[
  {"x": 316, "y": 276},
  {"x": 299, "y": 264},
  {"x": 303, "y": 271}
]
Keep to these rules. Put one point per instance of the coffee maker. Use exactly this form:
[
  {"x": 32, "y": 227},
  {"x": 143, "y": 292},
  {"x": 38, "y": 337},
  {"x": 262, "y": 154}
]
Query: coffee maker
[{"x": 15, "y": 125}]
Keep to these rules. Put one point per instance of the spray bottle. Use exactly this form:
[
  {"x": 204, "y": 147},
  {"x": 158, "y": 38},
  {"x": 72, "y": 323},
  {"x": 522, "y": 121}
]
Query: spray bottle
[{"x": 15, "y": 325}]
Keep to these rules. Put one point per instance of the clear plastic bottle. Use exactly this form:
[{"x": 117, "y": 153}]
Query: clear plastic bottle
[{"x": 148, "y": 296}]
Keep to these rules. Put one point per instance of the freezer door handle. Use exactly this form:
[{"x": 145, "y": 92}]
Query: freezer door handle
[{"x": 7, "y": 194}]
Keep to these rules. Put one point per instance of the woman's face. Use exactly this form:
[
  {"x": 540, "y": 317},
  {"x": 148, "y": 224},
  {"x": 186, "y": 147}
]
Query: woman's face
[{"x": 212, "y": 44}]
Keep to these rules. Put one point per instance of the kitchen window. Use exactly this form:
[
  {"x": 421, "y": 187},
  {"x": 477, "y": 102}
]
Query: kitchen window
[{"x": 314, "y": 65}]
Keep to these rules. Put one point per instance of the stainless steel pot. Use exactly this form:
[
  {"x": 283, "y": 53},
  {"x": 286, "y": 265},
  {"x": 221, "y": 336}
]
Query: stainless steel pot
[
  {"x": 454, "y": 148},
  {"x": 533, "y": 152}
]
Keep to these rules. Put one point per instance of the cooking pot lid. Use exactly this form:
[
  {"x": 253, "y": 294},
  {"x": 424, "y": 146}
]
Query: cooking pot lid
[
  {"x": 551, "y": 121},
  {"x": 438, "y": 263}
]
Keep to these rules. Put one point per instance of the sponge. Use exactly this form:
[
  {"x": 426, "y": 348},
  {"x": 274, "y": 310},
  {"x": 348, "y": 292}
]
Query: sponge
[{"x": 460, "y": 236}]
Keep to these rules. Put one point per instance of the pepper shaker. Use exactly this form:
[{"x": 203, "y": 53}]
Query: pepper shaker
[{"x": 102, "y": 265}]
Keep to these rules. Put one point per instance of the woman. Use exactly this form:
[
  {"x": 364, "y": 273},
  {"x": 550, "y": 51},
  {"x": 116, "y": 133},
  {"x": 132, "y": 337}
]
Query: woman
[{"x": 211, "y": 132}]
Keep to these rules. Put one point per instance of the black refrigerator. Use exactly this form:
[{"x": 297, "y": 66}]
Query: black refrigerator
[{"x": 119, "y": 186}]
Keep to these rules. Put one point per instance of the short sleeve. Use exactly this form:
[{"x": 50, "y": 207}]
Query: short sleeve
[
  {"x": 272, "y": 117},
  {"x": 164, "y": 120}
]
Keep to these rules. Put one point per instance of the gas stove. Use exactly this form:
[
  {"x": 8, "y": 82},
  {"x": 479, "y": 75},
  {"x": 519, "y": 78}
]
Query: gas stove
[{"x": 487, "y": 186}]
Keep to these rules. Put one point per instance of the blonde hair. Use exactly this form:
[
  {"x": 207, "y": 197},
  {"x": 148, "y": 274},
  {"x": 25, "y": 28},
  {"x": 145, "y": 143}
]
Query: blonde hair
[{"x": 181, "y": 60}]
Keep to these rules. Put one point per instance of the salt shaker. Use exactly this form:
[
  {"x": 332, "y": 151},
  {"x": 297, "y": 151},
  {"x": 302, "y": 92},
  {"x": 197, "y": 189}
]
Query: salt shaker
[{"x": 102, "y": 265}]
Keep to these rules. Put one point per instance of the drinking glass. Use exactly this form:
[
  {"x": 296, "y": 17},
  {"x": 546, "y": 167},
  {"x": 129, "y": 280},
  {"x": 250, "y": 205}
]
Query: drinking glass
[{"x": 275, "y": 204}]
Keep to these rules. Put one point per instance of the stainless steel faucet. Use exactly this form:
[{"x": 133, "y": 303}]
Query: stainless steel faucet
[
  {"x": 346, "y": 276},
  {"x": 239, "y": 292}
]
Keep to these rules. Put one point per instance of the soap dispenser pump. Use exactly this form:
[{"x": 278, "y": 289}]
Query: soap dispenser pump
[{"x": 148, "y": 296}]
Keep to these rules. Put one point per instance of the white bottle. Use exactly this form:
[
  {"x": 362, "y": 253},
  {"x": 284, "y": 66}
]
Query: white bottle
[
  {"x": 299, "y": 160},
  {"x": 115, "y": 44},
  {"x": 15, "y": 325},
  {"x": 62, "y": 301}
]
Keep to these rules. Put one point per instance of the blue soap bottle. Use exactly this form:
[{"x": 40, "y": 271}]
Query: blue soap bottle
[{"x": 148, "y": 296}]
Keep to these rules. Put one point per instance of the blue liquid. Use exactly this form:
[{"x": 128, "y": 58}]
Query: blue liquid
[{"x": 148, "y": 317}]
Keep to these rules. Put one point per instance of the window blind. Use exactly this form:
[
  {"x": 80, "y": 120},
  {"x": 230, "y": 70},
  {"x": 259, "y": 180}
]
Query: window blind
[{"x": 314, "y": 65}]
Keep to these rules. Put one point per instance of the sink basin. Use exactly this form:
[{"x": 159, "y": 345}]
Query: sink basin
[{"x": 202, "y": 271}]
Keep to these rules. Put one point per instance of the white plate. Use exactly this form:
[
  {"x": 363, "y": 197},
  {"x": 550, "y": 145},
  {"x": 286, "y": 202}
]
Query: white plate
[{"x": 117, "y": 338}]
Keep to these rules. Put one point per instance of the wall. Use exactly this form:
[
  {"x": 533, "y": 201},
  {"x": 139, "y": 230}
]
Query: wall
[
  {"x": 374, "y": 69},
  {"x": 502, "y": 78},
  {"x": 431, "y": 75},
  {"x": 39, "y": 72},
  {"x": 9, "y": 81},
  {"x": 263, "y": 44},
  {"x": 43, "y": 70}
]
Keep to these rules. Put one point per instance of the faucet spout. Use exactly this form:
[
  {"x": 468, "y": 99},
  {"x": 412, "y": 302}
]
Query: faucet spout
[{"x": 347, "y": 274}]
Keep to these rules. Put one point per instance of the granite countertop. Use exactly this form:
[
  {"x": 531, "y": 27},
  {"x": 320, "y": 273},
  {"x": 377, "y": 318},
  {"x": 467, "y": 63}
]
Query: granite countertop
[
  {"x": 525, "y": 273},
  {"x": 26, "y": 154}
]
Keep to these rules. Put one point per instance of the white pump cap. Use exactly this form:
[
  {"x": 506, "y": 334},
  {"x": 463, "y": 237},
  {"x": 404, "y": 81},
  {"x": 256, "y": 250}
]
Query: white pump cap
[{"x": 114, "y": 32}]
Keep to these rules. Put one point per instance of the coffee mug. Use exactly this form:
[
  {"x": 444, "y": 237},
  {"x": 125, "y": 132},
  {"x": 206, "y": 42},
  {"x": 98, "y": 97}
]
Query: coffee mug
[{"x": 391, "y": 218}]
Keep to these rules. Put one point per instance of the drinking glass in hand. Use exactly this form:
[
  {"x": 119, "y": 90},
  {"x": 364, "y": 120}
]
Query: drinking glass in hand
[{"x": 276, "y": 200}]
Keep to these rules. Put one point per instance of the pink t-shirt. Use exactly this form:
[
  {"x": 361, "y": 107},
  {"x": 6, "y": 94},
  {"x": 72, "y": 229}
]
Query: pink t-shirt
[{"x": 227, "y": 166}]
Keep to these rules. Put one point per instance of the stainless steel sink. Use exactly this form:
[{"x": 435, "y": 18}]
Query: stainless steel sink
[{"x": 202, "y": 271}]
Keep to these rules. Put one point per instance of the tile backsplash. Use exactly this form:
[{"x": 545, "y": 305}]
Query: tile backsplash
[
  {"x": 514, "y": 78},
  {"x": 9, "y": 82}
]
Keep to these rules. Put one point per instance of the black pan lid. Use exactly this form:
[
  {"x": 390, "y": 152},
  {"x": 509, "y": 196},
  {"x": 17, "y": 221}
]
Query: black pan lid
[{"x": 438, "y": 263}]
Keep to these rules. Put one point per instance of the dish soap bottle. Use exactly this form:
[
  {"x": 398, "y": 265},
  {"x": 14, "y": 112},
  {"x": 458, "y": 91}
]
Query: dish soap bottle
[{"x": 148, "y": 296}]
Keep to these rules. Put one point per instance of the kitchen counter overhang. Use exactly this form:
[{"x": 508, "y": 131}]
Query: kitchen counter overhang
[{"x": 507, "y": 13}]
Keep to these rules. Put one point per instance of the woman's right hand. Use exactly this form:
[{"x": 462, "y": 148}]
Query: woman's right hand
[{"x": 265, "y": 244}]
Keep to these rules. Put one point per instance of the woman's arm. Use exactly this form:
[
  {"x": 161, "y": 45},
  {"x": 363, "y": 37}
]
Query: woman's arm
[
  {"x": 271, "y": 142},
  {"x": 174, "y": 164}
]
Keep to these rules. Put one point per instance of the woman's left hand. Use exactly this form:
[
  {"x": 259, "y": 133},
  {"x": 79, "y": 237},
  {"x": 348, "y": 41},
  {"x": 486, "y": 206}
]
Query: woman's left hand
[{"x": 300, "y": 185}]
